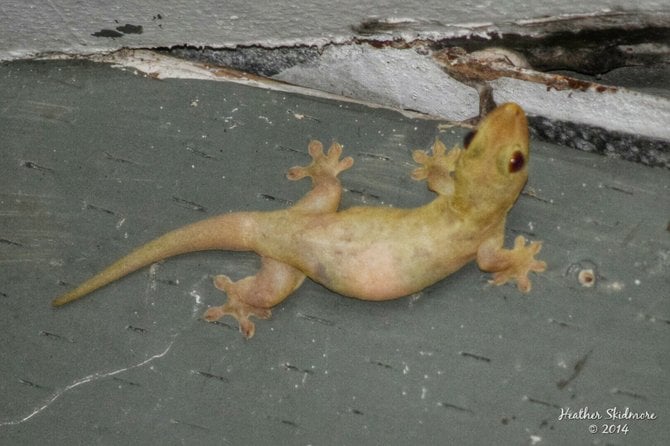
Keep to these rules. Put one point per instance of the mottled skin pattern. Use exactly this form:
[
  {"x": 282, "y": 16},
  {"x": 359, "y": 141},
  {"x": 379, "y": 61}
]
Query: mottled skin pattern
[{"x": 371, "y": 253}]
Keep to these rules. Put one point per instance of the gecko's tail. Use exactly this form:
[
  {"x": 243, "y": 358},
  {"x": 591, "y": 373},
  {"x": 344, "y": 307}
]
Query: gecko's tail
[{"x": 230, "y": 232}]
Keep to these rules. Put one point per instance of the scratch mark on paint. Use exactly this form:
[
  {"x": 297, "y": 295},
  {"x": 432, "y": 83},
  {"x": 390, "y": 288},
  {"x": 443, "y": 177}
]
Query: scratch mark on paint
[{"x": 81, "y": 381}]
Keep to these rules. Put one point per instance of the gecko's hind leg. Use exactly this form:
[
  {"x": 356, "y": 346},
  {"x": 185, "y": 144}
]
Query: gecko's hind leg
[
  {"x": 255, "y": 295},
  {"x": 236, "y": 307}
]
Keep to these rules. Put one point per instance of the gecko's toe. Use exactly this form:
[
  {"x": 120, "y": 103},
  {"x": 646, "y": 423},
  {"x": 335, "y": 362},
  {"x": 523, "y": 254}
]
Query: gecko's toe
[
  {"x": 539, "y": 266},
  {"x": 247, "y": 328},
  {"x": 239, "y": 311},
  {"x": 223, "y": 283},
  {"x": 523, "y": 283},
  {"x": 213, "y": 314}
]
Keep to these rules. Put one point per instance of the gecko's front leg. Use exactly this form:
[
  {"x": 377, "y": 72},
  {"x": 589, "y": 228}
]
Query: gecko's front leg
[
  {"x": 510, "y": 264},
  {"x": 256, "y": 295},
  {"x": 437, "y": 169}
]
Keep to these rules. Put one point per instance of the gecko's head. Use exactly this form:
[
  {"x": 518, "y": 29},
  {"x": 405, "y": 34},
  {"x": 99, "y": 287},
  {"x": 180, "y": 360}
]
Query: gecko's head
[{"x": 494, "y": 164}]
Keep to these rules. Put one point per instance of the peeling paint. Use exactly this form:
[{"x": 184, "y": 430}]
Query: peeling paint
[{"x": 454, "y": 70}]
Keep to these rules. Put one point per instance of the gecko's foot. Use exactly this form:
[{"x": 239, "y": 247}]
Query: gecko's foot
[
  {"x": 521, "y": 261},
  {"x": 437, "y": 168},
  {"x": 323, "y": 166},
  {"x": 236, "y": 308}
]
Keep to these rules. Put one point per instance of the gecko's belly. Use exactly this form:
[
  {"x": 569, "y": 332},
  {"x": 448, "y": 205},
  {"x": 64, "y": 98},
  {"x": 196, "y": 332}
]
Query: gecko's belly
[
  {"x": 370, "y": 253},
  {"x": 381, "y": 272}
]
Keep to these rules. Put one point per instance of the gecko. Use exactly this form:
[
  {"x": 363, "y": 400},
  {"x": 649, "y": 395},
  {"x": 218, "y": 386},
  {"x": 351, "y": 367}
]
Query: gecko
[{"x": 369, "y": 253}]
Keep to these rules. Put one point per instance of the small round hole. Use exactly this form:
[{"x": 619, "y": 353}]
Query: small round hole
[{"x": 586, "y": 278}]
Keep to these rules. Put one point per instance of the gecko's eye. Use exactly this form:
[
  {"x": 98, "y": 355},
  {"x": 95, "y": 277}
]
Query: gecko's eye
[
  {"x": 467, "y": 139},
  {"x": 516, "y": 162}
]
